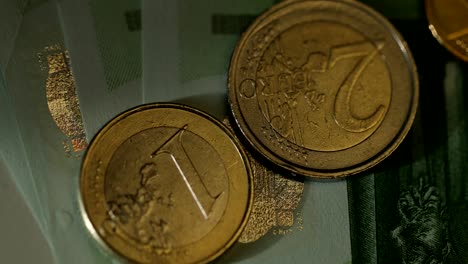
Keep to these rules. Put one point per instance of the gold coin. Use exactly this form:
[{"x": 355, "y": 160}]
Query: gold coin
[
  {"x": 165, "y": 183},
  {"x": 448, "y": 22},
  {"x": 323, "y": 88}
]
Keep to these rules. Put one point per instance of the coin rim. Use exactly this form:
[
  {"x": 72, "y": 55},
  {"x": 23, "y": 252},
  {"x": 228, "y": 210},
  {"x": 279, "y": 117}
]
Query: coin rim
[
  {"x": 431, "y": 19},
  {"x": 107, "y": 248},
  {"x": 309, "y": 171}
]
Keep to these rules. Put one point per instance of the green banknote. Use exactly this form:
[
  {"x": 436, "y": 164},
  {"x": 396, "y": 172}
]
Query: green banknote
[
  {"x": 413, "y": 208},
  {"x": 10, "y": 18},
  {"x": 105, "y": 50}
]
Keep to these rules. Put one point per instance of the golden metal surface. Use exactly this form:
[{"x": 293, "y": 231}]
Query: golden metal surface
[
  {"x": 62, "y": 98},
  {"x": 448, "y": 22},
  {"x": 166, "y": 183},
  {"x": 324, "y": 88},
  {"x": 275, "y": 198}
]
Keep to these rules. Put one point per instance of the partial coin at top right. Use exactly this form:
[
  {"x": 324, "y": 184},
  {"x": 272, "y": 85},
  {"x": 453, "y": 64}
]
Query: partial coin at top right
[{"x": 448, "y": 22}]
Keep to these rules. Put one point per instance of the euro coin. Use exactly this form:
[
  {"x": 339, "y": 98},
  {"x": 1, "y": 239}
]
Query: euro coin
[
  {"x": 323, "y": 88},
  {"x": 165, "y": 183},
  {"x": 448, "y": 23}
]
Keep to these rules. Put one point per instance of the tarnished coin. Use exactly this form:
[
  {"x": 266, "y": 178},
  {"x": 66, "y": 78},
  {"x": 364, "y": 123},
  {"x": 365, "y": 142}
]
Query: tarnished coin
[
  {"x": 165, "y": 183},
  {"x": 448, "y": 22},
  {"x": 324, "y": 88}
]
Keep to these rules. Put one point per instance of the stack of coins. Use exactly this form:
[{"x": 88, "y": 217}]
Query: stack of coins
[{"x": 319, "y": 88}]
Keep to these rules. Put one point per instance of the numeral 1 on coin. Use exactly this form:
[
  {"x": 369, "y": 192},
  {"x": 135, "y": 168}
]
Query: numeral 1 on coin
[{"x": 174, "y": 148}]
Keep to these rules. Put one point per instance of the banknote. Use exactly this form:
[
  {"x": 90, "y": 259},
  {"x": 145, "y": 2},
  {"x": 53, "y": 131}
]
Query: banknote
[
  {"x": 19, "y": 225},
  {"x": 12, "y": 152},
  {"x": 10, "y": 18},
  {"x": 13, "y": 157},
  {"x": 105, "y": 49},
  {"x": 413, "y": 208},
  {"x": 187, "y": 45},
  {"x": 43, "y": 129}
]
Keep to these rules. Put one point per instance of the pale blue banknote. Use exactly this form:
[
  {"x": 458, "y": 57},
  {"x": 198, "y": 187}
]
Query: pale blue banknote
[
  {"x": 103, "y": 39},
  {"x": 44, "y": 130}
]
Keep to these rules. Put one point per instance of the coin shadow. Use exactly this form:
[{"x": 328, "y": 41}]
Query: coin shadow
[{"x": 215, "y": 104}]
